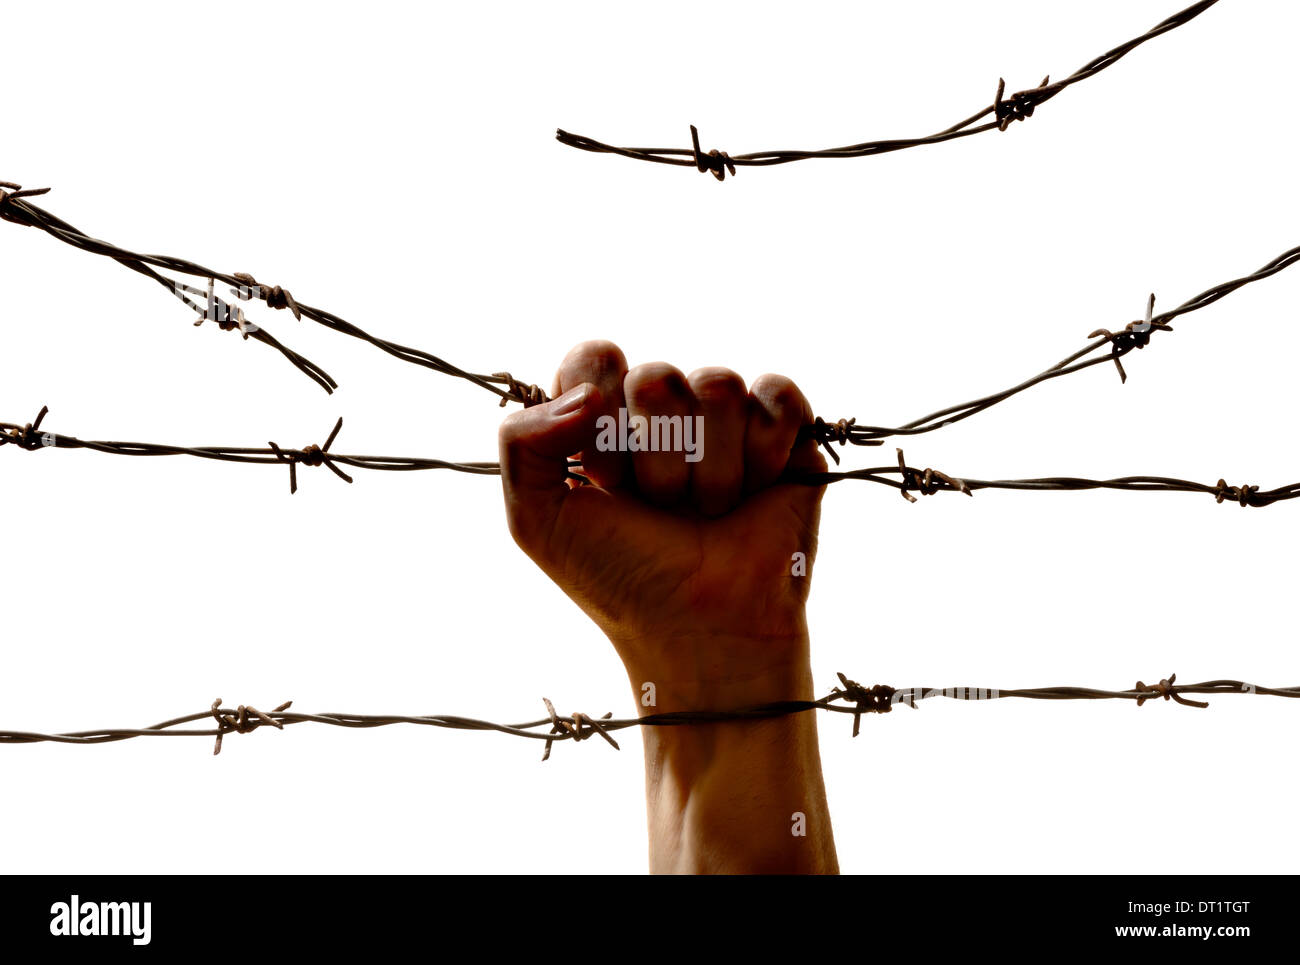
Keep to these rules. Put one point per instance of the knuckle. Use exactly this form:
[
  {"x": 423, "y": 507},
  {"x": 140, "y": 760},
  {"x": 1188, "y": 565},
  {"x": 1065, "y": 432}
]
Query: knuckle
[
  {"x": 717, "y": 384},
  {"x": 654, "y": 380},
  {"x": 778, "y": 394},
  {"x": 513, "y": 427},
  {"x": 598, "y": 355}
]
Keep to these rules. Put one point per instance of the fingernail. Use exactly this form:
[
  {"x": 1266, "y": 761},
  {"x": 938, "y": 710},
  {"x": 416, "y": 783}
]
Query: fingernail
[{"x": 571, "y": 401}]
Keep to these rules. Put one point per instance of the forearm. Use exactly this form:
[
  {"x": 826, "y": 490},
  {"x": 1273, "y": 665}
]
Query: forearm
[
  {"x": 741, "y": 796},
  {"x": 697, "y": 570}
]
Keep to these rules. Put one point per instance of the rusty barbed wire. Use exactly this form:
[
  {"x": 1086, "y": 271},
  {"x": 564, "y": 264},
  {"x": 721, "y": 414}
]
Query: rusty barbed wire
[
  {"x": 1113, "y": 345},
  {"x": 849, "y": 698},
  {"x": 1003, "y": 111},
  {"x": 1103, "y": 345},
  {"x": 16, "y": 207},
  {"x": 927, "y": 482},
  {"x": 32, "y": 437}
]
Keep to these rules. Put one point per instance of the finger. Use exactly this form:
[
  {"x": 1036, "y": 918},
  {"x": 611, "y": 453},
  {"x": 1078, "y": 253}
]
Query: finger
[
  {"x": 658, "y": 391},
  {"x": 777, "y": 413},
  {"x": 535, "y": 444},
  {"x": 602, "y": 364},
  {"x": 721, "y": 410}
]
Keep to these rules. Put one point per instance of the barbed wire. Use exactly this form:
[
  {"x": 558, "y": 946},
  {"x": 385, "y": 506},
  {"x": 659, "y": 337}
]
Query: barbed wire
[
  {"x": 1103, "y": 345},
  {"x": 927, "y": 482},
  {"x": 1003, "y": 111},
  {"x": 229, "y": 316},
  {"x": 32, "y": 437},
  {"x": 849, "y": 698},
  {"x": 852, "y": 698},
  {"x": 1135, "y": 335}
]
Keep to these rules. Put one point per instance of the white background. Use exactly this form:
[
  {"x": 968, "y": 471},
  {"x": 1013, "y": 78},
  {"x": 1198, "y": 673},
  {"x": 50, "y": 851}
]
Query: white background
[{"x": 395, "y": 164}]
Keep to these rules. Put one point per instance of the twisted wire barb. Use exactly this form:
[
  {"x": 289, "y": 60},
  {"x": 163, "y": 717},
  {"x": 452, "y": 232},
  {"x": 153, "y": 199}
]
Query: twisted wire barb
[
  {"x": 242, "y": 720},
  {"x": 849, "y": 698},
  {"x": 1002, "y": 113}
]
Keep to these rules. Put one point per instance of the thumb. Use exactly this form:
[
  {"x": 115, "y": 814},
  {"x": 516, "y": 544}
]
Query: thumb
[
  {"x": 535, "y": 445},
  {"x": 807, "y": 458}
]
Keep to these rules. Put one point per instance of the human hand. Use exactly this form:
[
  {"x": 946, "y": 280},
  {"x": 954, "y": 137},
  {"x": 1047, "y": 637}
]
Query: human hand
[
  {"x": 691, "y": 566},
  {"x": 687, "y": 560}
]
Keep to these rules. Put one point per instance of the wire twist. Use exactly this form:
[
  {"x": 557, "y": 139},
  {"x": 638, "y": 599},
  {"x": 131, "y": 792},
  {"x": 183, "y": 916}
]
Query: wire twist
[
  {"x": 924, "y": 482},
  {"x": 1135, "y": 335},
  {"x": 877, "y": 699},
  {"x": 841, "y": 431},
  {"x": 717, "y": 162},
  {"x": 572, "y": 727},
  {"x": 1018, "y": 106},
  {"x": 1245, "y": 495},
  {"x": 16, "y": 192},
  {"x": 242, "y": 720},
  {"x": 517, "y": 391},
  {"x": 1168, "y": 691},
  {"x": 274, "y": 296},
  {"x": 312, "y": 455},
  {"x": 28, "y": 436}
]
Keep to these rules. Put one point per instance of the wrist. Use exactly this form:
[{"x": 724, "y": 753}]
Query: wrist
[
  {"x": 709, "y": 671},
  {"x": 722, "y": 796}
]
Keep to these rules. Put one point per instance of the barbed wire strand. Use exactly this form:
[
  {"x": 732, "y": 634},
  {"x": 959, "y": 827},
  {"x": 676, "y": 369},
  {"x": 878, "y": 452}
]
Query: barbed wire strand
[
  {"x": 15, "y": 208},
  {"x": 849, "y": 698},
  {"x": 32, "y": 437},
  {"x": 1103, "y": 345},
  {"x": 1135, "y": 335},
  {"x": 856, "y": 699},
  {"x": 1004, "y": 110},
  {"x": 227, "y": 317}
]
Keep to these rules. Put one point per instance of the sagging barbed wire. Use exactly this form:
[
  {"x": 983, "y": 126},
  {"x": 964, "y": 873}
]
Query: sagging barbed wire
[
  {"x": 15, "y": 207},
  {"x": 1001, "y": 113},
  {"x": 1103, "y": 345},
  {"x": 1113, "y": 346},
  {"x": 850, "y": 697}
]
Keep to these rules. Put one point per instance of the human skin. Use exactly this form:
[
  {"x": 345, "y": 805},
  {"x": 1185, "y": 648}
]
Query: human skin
[{"x": 687, "y": 569}]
